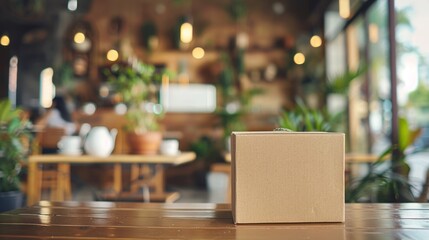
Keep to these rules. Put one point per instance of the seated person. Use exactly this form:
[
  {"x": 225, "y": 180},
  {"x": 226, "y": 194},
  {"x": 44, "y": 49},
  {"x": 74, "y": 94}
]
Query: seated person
[
  {"x": 51, "y": 123},
  {"x": 58, "y": 117}
]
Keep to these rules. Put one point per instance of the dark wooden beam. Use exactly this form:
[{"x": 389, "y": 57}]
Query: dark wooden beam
[{"x": 393, "y": 74}]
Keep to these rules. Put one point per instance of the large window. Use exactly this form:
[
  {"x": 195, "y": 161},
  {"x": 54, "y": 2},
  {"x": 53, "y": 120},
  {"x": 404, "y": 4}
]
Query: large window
[
  {"x": 413, "y": 61},
  {"x": 379, "y": 77},
  {"x": 353, "y": 43},
  {"x": 364, "y": 38}
]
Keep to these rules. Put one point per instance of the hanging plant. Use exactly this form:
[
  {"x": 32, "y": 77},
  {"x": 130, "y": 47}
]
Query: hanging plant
[
  {"x": 148, "y": 31},
  {"x": 237, "y": 9}
]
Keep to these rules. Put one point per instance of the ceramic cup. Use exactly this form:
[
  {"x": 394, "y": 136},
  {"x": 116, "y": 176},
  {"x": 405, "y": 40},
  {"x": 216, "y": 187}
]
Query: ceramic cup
[
  {"x": 169, "y": 147},
  {"x": 70, "y": 145}
]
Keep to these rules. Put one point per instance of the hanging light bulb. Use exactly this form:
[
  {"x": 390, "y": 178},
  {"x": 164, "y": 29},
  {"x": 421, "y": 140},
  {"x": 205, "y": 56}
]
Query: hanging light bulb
[
  {"x": 344, "y": 8},
  {"x": 186, "y": 30},
  {"x": 13, "y": 77},
  {"x": 5, "y": 40},
  {"x": 47, "y": 88},
  {"x": 72, "y": 5}
]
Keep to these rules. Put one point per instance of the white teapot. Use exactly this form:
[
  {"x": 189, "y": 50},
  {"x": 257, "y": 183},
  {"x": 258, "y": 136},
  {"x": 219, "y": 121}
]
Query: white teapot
[{"x": 100, "y": 142}]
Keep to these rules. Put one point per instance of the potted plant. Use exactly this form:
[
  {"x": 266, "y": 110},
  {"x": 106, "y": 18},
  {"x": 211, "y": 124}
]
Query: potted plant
[
  {"x": 13, "y": 135},
  {"x": 137, "y": 86}
]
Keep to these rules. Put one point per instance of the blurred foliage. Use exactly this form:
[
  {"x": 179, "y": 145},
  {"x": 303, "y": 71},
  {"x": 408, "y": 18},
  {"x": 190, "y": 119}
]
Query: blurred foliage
[
  {"x": 26, "y": 8},
  {"x": 387, "y": 178},
  {"x": 136, "y": 85},
  {"x": 419, "y": 97},
  {"x": 206, "y": 148},
  {"x": 341, "y": 83},
  {"x": 148, "y": 31},
  {"x": 14, "y": 134},
  {"x": 235, "y": 102},
  {"x": 64, "y": 75},
  {"x": 237, "y": 9},
  {"x": 302, "y": 118}
]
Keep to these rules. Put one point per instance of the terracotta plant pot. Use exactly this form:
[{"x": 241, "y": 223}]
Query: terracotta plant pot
[{"x": 146, "y": 143}]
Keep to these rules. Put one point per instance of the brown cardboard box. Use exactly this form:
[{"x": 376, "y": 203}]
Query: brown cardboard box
[{"x": 281, "y": 177}]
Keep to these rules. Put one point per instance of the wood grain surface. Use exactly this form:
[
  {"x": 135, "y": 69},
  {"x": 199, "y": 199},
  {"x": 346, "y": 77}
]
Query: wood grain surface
[
  {"x": 114, "y": 158},
  {"x": 100, "y": 220}
]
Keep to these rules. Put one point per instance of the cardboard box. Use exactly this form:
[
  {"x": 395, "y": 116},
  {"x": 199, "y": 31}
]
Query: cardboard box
[{"x": 287, "y": 177}]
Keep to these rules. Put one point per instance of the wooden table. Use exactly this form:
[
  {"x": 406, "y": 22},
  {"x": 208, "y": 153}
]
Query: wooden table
[
  {"x": 100, "y": 220},
  {"x": 63, "y": 161}
]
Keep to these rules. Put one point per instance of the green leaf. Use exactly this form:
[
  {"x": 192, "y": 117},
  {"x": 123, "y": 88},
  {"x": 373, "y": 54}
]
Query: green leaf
[
  {"x": 384, "y": 154},
  {"x": 5, "y": 107},
  {"x": 308, "y": 122},
  {"x": 341, "y": 83},
  {"x": 404, "y": 134}
]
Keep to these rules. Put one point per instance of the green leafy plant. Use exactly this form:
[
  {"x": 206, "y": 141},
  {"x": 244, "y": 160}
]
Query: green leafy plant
[
  {"x": 137, "y": 87},
  {"x": 341, "y": 83},
  {"x": 302, "y": 118},
  {"x": 13, "y": 134},
  {"x": 387, "y": 183}
]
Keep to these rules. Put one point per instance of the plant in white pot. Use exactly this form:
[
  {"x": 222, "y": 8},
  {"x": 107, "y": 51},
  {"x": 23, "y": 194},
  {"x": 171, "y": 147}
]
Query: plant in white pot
[
  {"x": 14, "y": 134},
  {"x": 137, "y": 85}
]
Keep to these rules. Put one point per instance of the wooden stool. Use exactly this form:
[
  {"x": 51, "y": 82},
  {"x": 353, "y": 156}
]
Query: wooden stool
[
  {"x": 54, "y": 177},
  {"x": 56, "y": 180},
  {"x": 152, "y": 183},
  {"x": 143, "y": 177}
]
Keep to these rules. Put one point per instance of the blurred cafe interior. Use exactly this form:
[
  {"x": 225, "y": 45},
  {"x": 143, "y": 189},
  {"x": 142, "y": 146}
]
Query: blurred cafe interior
[{"x": 98, "y": 82}]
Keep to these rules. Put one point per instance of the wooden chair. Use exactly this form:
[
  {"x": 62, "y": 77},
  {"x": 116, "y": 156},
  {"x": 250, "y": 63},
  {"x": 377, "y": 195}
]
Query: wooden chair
[
  {"x": 49, "y": 137},
  {"x": 54, "y": 178}
]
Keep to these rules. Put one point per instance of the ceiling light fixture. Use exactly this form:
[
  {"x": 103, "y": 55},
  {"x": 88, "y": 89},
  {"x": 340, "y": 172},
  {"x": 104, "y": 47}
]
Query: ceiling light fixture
[
  {"x": 344, "y": 8},
  {"x": 186, "y": 31},
  {"x": 72, "y": 5},
  {"x": 47, "y": 87}
]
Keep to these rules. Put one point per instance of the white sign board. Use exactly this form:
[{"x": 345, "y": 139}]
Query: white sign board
[{"x": 199, "y": 98}]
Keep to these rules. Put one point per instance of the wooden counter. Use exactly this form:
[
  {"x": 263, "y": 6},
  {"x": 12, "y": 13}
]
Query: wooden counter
[{"x": 100, "y": 220}]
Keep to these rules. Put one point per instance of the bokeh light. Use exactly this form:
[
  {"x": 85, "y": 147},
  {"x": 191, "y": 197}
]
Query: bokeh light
[
  {"x": 112, "y": 55},
  {"x": 79, "y": 37},
  {"x": 198, "y": 53},
  {"x": 299, "y": 58}
]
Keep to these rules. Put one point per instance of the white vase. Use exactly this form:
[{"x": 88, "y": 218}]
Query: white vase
[{"x": 100, "y": 142}]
